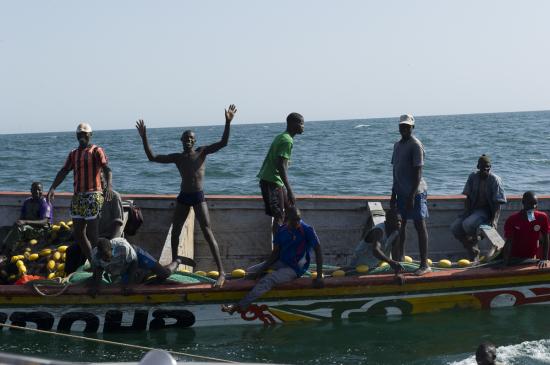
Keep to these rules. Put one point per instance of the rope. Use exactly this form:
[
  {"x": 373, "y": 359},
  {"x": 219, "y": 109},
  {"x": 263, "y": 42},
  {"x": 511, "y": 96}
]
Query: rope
[
  {"x": 107, "y": 342},
  {"x": 63, "y": 282}
]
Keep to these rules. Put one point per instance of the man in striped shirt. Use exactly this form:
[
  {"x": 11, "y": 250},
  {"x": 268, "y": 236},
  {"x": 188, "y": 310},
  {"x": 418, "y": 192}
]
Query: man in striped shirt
[{"x": 86, "y": 161}]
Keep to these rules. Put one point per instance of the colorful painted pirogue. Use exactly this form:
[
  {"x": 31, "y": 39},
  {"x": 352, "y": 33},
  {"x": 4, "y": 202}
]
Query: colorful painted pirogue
[{"x": 152, "y": 307}]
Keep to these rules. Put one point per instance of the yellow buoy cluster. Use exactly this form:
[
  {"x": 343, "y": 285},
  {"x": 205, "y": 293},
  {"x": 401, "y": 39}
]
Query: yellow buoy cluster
[{"x": 30, "y": 259}]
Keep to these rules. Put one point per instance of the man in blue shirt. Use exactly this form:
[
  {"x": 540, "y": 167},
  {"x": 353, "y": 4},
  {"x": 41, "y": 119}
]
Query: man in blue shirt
[{"x": 290, "y": 258}]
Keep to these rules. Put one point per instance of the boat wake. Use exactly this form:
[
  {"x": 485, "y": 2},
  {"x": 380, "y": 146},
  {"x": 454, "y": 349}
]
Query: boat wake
[
  {"x": 361, "y": 126},
  {"x": 525, "y": 353}
]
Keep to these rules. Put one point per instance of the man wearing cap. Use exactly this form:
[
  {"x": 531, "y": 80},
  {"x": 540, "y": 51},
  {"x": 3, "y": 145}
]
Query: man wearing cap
[
  {"x": 86, "y": 161},
  {"x": 409, "y": 190},
  {"x": 484, "y": 196},
  {"x": 277, "y": 193}
]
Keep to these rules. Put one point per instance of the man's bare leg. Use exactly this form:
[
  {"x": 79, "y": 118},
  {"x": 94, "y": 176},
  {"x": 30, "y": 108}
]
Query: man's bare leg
[
  {"x": 398, "y": 251},
  {"x": 178, "y": 220},
  {"x": 201, "y": 212},
  {"x": 81, "y": 237},
  {"x": 422, "y": 231}
]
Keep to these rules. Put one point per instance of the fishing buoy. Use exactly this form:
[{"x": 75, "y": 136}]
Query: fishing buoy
[
  {"x": 45, "y": 252},
  {"x": 383, "y": 264},
  {"x": 57, "y": 256},
  {"x": 56, "y": 228},
  {"x": 27, "y": 255},
  {"x": 408, "y": 259},
  {"x": 201, "y": 273},
  {"x": 362, "y": 268},
  {"x": 60, "y": 267},
  {"x": 51, "y": 275},
  {"x": 51, "y": 264},
  {"x": 444, "y": 263},
  {"x": 33, "y": 257},
  {"x": 62, "y": 249},
  {"x": 238, "y": 273},
  {"x": 33, "y": 242},
  {"x": 430, "y": 263},
  {"x": 70, "y": 223},
  {"x": 213, "y": 274},
  {"x": 464, "y": 263},
  {"x": 338, "y": 273}
]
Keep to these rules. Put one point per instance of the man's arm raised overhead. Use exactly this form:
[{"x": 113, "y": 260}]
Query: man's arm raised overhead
[
  {"x": 229, "y": 115},
  {"x": 142, "y": 130}
]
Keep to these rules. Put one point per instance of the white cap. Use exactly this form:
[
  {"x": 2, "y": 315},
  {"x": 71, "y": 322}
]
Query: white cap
[
  {"x": 406, "y": 119},
  {"x": 84, "y": 127}
]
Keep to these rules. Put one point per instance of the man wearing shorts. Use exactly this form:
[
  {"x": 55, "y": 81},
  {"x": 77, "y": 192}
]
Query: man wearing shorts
[
  {"x": 191, "y": 164},
  {"x": 125, "y": 263},
  {"x": 86, "y": 161},
  {"x": 276, "y": 190},
  {"x": 409, "y": 190}
]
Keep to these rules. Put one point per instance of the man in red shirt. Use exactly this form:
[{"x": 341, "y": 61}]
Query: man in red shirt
[
  {"x": 86, "y": 161},
  {"x": 524, "y": 230}
]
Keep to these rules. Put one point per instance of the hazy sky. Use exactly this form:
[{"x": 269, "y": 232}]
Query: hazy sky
[{"x": 179, "y": 63}]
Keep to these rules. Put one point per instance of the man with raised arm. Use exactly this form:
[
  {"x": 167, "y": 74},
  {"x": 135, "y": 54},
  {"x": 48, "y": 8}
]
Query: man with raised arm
[
  {"x": 409, "y": 190},
  {"x": 277, "y": 193},
  {"x": 86, "y": 161},
  {"x": 191, "y": 165}
]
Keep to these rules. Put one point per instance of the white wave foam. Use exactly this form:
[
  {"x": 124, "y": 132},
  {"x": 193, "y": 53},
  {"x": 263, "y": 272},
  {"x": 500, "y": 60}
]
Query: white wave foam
[
  {"x": 361, "y": 126},
  {"x": 525, "y": 353}
]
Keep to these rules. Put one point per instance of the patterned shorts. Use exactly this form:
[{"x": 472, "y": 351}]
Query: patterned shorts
[{"x": 86, "y": 205}]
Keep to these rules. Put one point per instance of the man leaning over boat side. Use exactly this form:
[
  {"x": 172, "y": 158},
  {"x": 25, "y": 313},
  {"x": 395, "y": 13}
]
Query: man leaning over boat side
[
  {"x": 86, "y": 161},
  {"x": 36, "y": 214},
  {"x": 290, "y": 258},
  {"x": 524, "y": 231},
  {"x": 409, "y": 190},
  {"x": 191, "y": 166},
  {"x": 125, "y": 263},
  {"x": 276, "y": 190},
  {"x": 377, "y": 244},
  {"x": 484, "y": 195}
]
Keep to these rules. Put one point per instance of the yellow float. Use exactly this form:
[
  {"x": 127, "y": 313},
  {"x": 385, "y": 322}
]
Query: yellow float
[
  {"x": 238, "y": 273},
  {"x": 444, "y": 263}
]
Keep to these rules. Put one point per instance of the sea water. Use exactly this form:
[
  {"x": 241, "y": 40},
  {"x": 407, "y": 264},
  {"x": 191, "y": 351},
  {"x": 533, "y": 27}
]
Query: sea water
[{"x": 349, "y": 157}]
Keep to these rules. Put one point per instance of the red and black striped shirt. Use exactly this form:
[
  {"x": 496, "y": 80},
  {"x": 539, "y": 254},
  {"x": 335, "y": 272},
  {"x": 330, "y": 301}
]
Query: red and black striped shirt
[{"x": 87, "y": 164}]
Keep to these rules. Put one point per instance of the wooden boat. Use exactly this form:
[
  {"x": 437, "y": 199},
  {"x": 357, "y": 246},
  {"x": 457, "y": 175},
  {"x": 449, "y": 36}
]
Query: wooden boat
[
  {"x": 152, "y": 307},
  {"x": 243, "y": 234}
]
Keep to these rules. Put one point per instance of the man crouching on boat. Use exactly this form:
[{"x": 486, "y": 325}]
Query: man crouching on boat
[
  {"x": 524, "y": 230},
  {"x": 289, "y": 259},
  {"x": 122, "y": 262},
  {"x": 379, "y": 242}
]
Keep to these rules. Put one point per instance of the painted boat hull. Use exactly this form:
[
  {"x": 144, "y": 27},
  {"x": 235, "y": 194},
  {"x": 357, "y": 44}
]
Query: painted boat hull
[{"x": 152, "y": 307}]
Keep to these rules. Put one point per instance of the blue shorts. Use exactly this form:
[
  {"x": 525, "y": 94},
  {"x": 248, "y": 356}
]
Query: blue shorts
[
  {"x": 418, "y": 212},
  {"x": 145, "y": 260},
  {"x": 191, "y": 199}
]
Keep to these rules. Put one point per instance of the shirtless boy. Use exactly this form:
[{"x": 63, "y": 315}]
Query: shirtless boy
[{"x": 191, "y": 165}]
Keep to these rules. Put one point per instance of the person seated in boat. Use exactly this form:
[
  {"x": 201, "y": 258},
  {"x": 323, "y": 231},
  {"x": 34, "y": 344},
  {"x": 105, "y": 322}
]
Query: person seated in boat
[
  {"x": 378, "y": 243},
  {"x": 191, "y": 164},
  {"x": 111, "y": 220},
  {"x": 484, "y": 196},
  {"x": 36, "y": 214},
  {"x": 290, "y": 258},
  {"x": 125, "y": 263},
  {"x": 524, "y": 231}
]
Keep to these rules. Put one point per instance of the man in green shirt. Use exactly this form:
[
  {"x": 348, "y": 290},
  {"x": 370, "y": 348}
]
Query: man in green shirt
[{"x": 276, "y": 190}]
